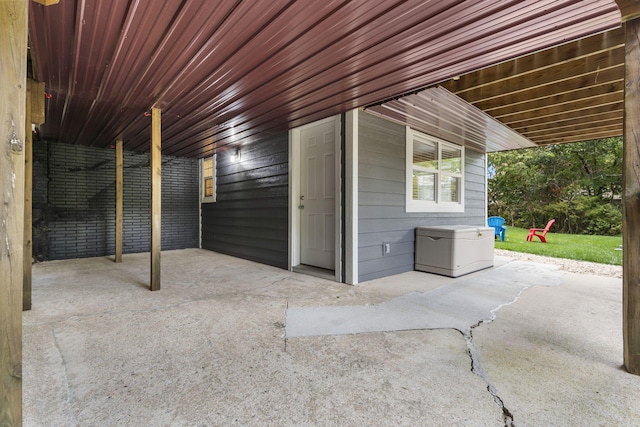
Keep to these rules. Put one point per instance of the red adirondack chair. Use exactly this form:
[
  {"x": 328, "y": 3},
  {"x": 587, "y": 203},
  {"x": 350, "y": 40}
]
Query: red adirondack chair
[{"x": 540, "y": 232}]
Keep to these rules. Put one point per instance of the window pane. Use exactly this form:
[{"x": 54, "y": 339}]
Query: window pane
[
  {"x": 425, "y": 154},
  {"x": 424, "y": 186},
  {"x": 450, "y": 188},
  {"x": 208, "y": 167},
  {"x": 451, "y": 159},
  {"x": 208, "y": 187}
]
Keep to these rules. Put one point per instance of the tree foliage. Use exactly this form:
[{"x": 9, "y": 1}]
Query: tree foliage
[{"x": 578, "y": 184}]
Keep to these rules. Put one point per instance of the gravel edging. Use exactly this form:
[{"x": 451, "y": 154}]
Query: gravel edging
[{"x": 572, "y": 266}]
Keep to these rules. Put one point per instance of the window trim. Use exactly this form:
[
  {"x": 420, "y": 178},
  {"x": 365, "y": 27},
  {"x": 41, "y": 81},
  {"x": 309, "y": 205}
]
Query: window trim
[
  {"x": 201, "y": 178},
  {"x": 437, "y": 205}
]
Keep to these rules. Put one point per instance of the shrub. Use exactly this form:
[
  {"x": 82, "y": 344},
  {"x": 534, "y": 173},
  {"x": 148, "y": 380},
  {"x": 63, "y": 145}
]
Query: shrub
[{"x": 594, "y": 217}]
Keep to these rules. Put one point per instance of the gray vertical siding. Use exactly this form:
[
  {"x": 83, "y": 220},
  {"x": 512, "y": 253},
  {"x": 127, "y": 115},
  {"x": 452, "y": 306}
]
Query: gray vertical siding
[
  {"x": 381, "y": 199},
  {"x": 250, "y": 217},
  {"x": 74, "y": 202}
]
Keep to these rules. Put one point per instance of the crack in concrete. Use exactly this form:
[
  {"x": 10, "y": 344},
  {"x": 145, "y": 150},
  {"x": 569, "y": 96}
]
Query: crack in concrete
[
  {"x": 461, "y": 306},
  {"x": 476, "y": 366},
  {"x": 69, "y": 390},
  {"x": 477, "y": 369}
]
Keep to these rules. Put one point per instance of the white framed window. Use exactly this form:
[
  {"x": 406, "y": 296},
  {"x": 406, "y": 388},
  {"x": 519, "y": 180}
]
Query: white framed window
[
  {"x": 208, "y": 179},
  {"x": 435, "y": 174}
]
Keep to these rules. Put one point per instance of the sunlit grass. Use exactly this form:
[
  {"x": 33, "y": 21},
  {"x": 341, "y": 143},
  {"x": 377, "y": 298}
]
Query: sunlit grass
[{"x": 602, "y": 249}]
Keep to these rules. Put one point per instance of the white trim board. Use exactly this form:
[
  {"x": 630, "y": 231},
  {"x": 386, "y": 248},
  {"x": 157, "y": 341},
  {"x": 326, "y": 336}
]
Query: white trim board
[{"x": 351, "y": 199}]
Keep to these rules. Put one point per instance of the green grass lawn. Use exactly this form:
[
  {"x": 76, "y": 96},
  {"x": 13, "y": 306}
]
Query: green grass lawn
[{"x": 600, "y": 249}]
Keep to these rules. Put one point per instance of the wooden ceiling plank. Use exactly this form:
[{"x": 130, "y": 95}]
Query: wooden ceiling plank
[
  {"x": 588, "y": 68},
  {"x": 554, "y": 110},
  {"x": 587, "y": 112},
  {"x": 592, "y": 113},
  {"x": 629, "y": 9},
  {"x": 583, "y": 133},
  {"x": 586, "y": 135},
  {"x": 558, "y": 98},
  {"x": 579, "y": 138},
  {"x": 578, "y": 129},
  {"x": 576, "y": 83},
  {"x": 585, "y": 128},
  {"x": 549, "y": 58},
  {"x": 555, "y": 115},
  {"x": 559, "y": 124}
]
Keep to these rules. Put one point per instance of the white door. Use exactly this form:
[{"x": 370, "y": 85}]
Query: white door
[{"x": 317, "y": 195}]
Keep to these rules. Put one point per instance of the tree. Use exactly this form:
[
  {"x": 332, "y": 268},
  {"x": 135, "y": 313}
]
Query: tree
[{"x": 578, "y": 184}]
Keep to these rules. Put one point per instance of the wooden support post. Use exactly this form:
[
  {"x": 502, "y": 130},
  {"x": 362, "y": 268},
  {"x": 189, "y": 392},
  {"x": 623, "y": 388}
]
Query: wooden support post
[
  {"x": 631, "y": 200},
  {"x": 156, "y": 178},
  {"x": 119, "y": 198},
  {"x": 28, "y": 192},
  {"x": 37, "y": 102},
  {"x": 630, "y": 14},
  {"x": 34, "y": 114},
  {"x": 13, "y": 72}
]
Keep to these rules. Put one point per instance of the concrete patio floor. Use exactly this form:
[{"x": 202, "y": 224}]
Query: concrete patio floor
[{"x": 210, "y": 349}]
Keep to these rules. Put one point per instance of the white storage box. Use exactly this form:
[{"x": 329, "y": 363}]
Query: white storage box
[{"x": 454, "y": 250}]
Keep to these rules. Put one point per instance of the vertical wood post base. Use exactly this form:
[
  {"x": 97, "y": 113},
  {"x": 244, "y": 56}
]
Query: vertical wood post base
[{"x": 631, "y": 200}]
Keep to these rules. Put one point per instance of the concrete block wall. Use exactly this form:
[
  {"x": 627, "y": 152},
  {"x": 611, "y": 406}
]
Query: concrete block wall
[{"x": 74, "y": 202}]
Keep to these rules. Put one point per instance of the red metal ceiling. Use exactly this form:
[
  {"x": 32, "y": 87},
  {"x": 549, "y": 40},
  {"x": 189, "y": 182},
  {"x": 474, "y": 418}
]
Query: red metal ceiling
[{"x": 232, "y": 69}]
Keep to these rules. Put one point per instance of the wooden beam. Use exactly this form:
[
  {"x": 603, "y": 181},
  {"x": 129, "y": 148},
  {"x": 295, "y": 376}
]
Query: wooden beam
[
  {"x": 34, "y": 114},
  {"x": 563, "y": 94},
  {"x": 156, "y": 178},
  {"x": 13, "y": 72},
  {"x": 47, "y": 2},
  {"x": 567, "y": 110},
  {"x": 539, "y": 61},
  {"x": 588, "y": 114},
  {"x": 585, "y": 71},
  {"x": 28, "y": 201},
  {"x": 37, "y": 102},
  {"x": 577, "y": 138},
  {"x": 585, "y": 129},
  {"x": 582, "y": 126},
  {"x": 590, "y": 94},
  {"x": 631, "y": 201},
  {"x": 119, "y": 198},
  {"x": 629, "y": 9},
  {"x": 597, "y": 119}
]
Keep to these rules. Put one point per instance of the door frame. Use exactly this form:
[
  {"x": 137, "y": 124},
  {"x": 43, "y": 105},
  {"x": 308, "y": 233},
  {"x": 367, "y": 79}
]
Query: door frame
[{"x": 294, "y": 195}]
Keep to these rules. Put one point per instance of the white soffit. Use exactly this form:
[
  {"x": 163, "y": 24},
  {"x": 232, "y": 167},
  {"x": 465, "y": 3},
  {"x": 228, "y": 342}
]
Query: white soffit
[{"x": 438, "y": 112}]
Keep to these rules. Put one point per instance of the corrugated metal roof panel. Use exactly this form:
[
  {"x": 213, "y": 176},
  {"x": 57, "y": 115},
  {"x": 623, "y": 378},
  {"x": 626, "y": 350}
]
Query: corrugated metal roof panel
[
  {"x": 438, "y": 112},
  {"x": 235, "y": 69}
]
